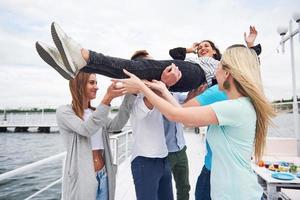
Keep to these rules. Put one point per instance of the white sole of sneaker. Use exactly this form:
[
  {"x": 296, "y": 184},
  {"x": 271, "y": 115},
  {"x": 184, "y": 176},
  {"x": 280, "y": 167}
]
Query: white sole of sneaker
[
  {"x": 57, "y": 35},
  {"x": 48, "y": 58}
]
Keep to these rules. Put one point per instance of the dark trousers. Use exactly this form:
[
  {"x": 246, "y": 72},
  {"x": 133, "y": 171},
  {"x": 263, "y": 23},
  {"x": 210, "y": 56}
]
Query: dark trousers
[
  {"x": 203, "y": 185},
  {"x": 180, "y": 170},
  {"x": 192, "y": 74},
  {"x": 152, "y": 178}
]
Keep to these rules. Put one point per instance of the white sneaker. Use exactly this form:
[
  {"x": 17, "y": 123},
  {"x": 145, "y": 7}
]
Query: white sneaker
[
  {"x": 52, "y": 57},
  {"x": 69, "y": 50}
]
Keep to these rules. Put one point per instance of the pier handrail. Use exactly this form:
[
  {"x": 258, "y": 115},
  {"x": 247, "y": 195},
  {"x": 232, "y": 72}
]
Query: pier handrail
[
  {"x": 31, "y": 166},
  {"x": 120, "y": 134},
  {"x": 115, "y": 145},
  {"x": 44, "y": 189}
]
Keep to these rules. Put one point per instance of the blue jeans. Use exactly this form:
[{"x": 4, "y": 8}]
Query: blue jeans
[
  {"x": 203, "y": 185},
  {"x": 192, "y": 74},
  {"x": 102, "y": 191},
  {"x": 152, "y": 178}
]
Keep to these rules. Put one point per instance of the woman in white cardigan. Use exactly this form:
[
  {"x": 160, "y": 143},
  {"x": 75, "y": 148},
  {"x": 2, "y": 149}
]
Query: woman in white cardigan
[{"x": 89, "y": 172}]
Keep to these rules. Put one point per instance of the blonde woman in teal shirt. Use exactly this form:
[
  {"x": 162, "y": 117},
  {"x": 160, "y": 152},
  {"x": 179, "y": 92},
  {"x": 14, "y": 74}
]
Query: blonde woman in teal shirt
[{"x": 237, "y": 124}]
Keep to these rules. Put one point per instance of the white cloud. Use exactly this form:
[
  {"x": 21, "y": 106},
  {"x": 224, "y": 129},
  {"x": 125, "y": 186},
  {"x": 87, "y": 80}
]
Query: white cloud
[{"x": 118, "y": 28}]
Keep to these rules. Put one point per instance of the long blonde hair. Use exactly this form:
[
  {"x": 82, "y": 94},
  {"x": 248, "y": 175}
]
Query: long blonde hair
[
  {"x": 243, "y": 65},
  {"x": 77, "y": 89}
]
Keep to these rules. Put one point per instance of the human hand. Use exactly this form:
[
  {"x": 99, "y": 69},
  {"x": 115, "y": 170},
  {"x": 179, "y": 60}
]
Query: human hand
[
  {"x": 114, "y": 91},
  {"x": 156, "y": 85},
  {"x": 193, "y": 48},
  {"x": 249, "y": 39},
  {"x": 132, "y": 84},
  {"x": 111, "y": 93},
  {"x": 195, "y": 92},
  {"x": 171, "y": 75}
]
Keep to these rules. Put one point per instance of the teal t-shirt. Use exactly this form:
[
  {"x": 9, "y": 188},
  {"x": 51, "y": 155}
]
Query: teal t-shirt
[
  {"x": 209, "y": 96},
  {"x": 231, "y": 143}
]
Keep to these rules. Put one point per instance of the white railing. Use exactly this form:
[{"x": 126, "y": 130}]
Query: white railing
[
  {"x": 115, "y": 144},
  {"x": 34, "y": 166},
  {"x": 31, "y": 166},
  {"x": 25, "y": 118},
  {"x": 44, "y": 189},
  {"x": 114, "y": 140}
]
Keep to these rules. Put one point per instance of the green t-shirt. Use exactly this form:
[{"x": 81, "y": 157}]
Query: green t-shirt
[{"x": 231, "y": 143}]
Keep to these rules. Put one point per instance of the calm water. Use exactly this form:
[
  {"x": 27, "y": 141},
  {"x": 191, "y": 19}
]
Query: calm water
[{"x": 18, "y": 149}]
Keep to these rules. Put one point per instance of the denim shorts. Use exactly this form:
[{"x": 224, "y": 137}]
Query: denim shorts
[{"x": 102, "y": 191}]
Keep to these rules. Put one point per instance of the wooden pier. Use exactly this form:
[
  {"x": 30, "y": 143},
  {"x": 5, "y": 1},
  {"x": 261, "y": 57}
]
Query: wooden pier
[{"x": 21, "y": 127}]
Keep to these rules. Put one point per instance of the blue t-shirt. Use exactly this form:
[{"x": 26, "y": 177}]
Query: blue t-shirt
[
  {"x": 209, "y": 96},
  {"x": 231, "y": 142}
]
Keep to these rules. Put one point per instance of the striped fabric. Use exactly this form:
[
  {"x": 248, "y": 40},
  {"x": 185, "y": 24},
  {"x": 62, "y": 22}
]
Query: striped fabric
[{"x": 208, "y": 64}]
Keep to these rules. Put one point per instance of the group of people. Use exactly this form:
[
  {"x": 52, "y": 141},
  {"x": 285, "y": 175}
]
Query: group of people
[{"x": 218, "y": 86}]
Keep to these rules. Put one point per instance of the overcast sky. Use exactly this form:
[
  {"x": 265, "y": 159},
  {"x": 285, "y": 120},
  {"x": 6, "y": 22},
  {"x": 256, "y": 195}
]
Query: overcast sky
[{"x": 118, "y": 28}]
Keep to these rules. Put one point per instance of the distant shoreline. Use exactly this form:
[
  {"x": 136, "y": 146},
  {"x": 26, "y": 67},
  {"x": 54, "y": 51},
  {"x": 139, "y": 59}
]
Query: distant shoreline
[
  {"x": 39, "y": 110},
  {"x": 113, "y": 109},
  {"x": 31, "y": 110}
]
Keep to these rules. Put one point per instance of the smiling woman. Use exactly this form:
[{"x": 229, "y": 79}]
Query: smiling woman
[
  {"x": 89, "y": 171},
  {"x": 69, "y": 58}
]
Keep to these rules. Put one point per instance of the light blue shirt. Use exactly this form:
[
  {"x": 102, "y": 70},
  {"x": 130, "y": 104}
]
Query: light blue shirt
[
  {"x": 174, "y": 131},
  {"x": 209, "y": 96},
  {"x": 231, "y": 142}
]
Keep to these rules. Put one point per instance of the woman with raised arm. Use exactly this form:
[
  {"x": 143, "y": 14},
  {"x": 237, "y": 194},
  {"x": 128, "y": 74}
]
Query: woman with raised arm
[
  {"x": 232, "y": 134},
  {"x": 195, "y": 71},
  {"x": 76, "y": 58},
  {"x": 89, "y": 172}
]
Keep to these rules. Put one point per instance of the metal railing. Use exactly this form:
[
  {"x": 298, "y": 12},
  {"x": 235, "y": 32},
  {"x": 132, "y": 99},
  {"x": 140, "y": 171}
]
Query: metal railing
[
  {"x": 26, "y": 118},
  {"x": 115, "y": 144},
  {"x": 34, "y": 166}
]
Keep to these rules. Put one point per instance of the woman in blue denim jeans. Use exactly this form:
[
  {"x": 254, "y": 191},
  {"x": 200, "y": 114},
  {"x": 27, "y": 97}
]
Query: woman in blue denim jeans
[{"x": 89, "y": 172}]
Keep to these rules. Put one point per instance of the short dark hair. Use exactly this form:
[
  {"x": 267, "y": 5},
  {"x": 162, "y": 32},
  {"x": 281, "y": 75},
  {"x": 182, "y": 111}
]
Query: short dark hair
[{"x": 140, "y": 54}]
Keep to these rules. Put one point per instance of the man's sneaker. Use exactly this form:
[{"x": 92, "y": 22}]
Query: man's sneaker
[
  {"x": 52, "y": 57},
  {"x": 69, "y": 50}
]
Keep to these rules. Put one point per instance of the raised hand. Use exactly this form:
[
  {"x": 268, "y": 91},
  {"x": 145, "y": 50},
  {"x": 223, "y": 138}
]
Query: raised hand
[
  {"x": 113, "y": 91},
  {"x": 250, "y": 38},
  {"x": 193, "y": 48},
  {"x": 156, "y": 85},
  {"x": 132, "y": 84}
]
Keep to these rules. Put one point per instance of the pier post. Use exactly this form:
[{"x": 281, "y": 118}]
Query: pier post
[
  {"x": 44, "y": 129},
  {"x": 21, "y": 129},
  {"x": 3, "y": 129}
]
